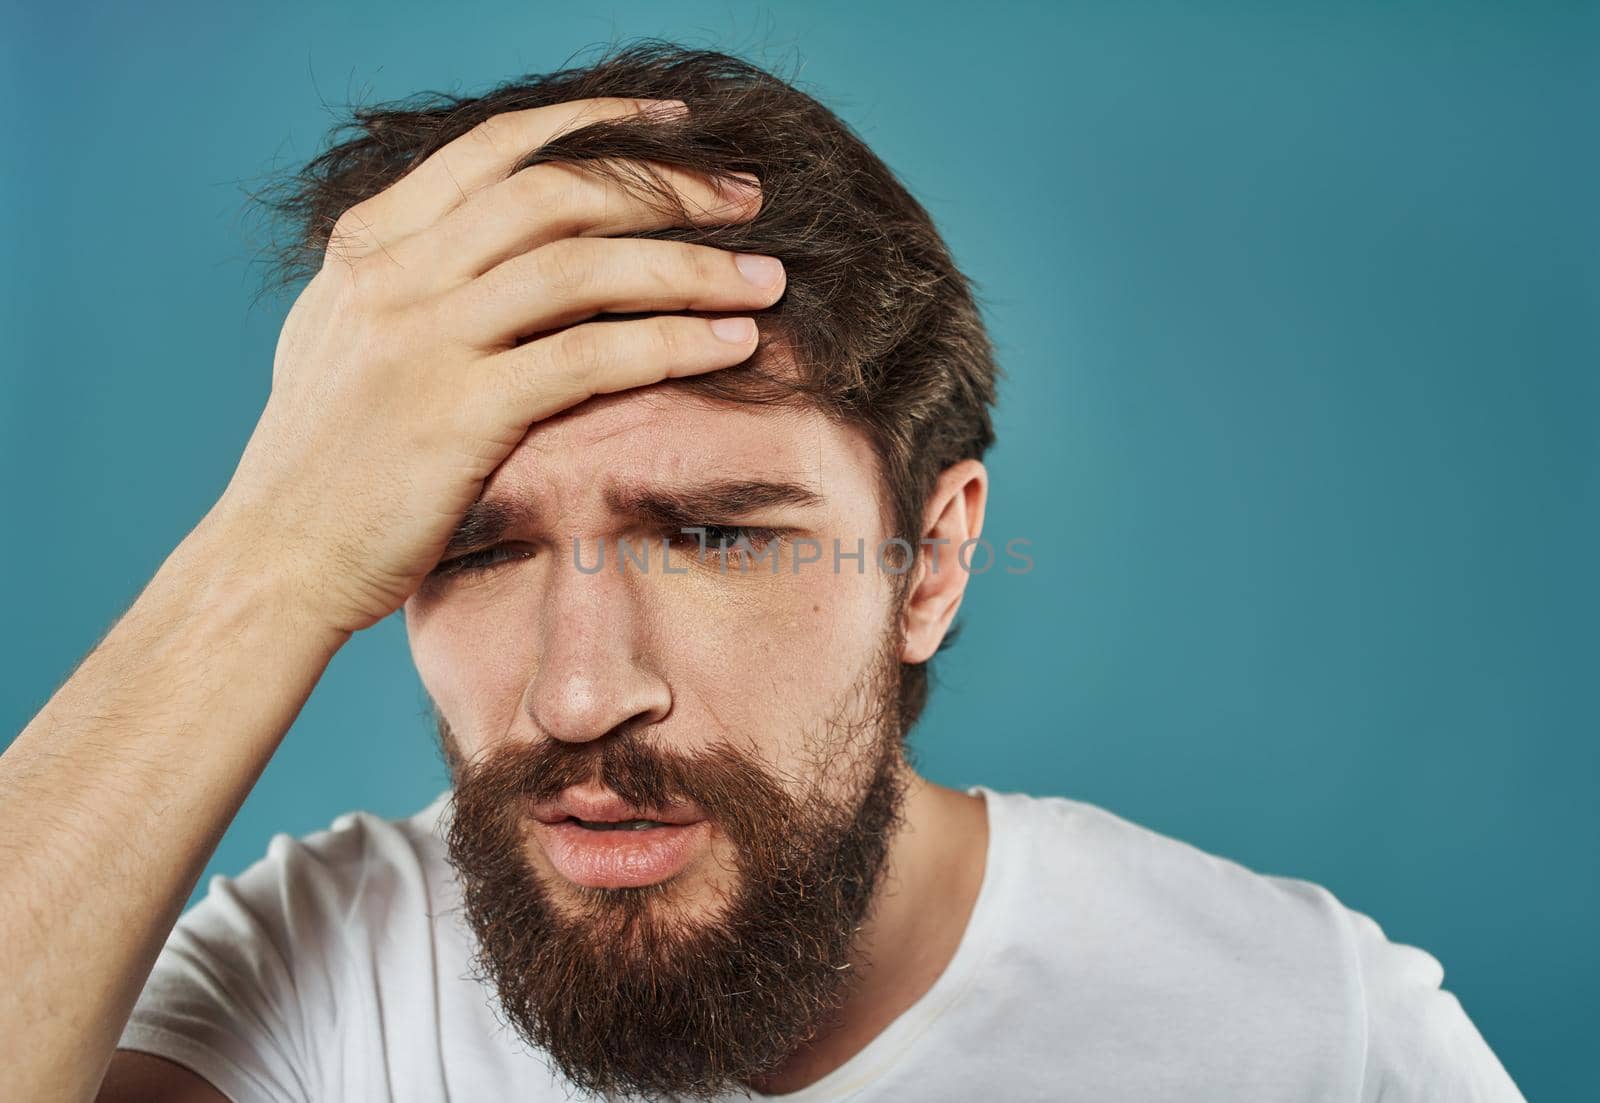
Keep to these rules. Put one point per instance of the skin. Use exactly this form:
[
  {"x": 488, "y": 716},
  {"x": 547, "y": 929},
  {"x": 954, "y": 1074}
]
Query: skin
[
  {"x": 532, "y": 648},
  {"x": 399, "y": 391}
]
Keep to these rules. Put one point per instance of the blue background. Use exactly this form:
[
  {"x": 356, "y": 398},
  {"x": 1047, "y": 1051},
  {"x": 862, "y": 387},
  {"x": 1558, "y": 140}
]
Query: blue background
[{"x": 1298, "y": 306}]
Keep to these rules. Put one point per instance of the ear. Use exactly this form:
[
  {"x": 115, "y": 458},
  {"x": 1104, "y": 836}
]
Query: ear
[{"x": 954, "y": 515}]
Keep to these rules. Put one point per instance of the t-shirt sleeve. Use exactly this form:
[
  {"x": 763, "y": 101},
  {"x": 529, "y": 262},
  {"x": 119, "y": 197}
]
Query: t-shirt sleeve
[
  {"x": 1420, "y": 1045},
  {"x": 225, "y": 998}
]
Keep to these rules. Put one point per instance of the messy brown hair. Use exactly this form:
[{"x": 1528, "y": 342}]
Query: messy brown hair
[{"x": 877, "y": 327}]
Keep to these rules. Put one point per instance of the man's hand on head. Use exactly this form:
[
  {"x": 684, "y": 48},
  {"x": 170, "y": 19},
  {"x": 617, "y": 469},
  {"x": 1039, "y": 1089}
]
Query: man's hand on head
[
  {"x": 405, "y": 373},
  {"x": 452, "y": 311}
]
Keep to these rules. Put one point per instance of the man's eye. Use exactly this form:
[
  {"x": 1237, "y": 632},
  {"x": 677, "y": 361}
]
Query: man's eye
[
  {"x": 725, "y": 541},
  {"x": 473, "y": 562},
  {"x": 726, "y": 536}
]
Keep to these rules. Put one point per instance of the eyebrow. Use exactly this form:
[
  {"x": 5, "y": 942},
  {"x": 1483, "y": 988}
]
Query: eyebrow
[{"x": 486, "y": 521}]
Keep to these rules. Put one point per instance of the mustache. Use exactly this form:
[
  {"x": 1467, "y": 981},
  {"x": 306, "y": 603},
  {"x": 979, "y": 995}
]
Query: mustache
[{"x": 727, "y": 785}]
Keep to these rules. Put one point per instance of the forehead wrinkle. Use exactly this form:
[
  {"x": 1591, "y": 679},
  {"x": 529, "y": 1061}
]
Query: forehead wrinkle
[
  {"x": 488, "y": 519},
  {"x": 767, "y": 455},
  {"x": 664, "y": 471}
]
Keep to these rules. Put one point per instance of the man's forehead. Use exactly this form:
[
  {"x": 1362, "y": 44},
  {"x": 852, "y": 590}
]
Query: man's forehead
[
  {"x": 668, "y": 420},
  {"x": 665, "y": 436}
]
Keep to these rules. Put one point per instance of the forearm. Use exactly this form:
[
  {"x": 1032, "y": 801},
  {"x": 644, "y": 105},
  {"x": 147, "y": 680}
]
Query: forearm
[{"x": 115, "y": 795}]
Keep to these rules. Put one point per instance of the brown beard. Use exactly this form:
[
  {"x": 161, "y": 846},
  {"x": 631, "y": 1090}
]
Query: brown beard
[{"x": 626, "y": 995}]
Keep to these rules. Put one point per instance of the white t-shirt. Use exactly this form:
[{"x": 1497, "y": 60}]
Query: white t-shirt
[{"x": 1103, "y": 962}]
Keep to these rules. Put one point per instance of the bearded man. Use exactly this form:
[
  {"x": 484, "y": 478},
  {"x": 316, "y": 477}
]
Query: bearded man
[{"x": 653, "y": 399}]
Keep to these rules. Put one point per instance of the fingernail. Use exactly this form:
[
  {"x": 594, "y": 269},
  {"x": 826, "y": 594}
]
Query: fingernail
[
  {"x": 763, "y": 271},
  {"x": 737, "y": 330}
]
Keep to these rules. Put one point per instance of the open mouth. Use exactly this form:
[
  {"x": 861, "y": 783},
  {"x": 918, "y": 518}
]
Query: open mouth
[
  {"x": 598, "y": 810},
  {"x": 594, "y": 838},
  {"x": 623, "y": 825},
  {"x": 620, "y": 853}
]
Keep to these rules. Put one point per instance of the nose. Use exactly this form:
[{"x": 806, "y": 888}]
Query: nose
[{"x": 592, "y": 671}]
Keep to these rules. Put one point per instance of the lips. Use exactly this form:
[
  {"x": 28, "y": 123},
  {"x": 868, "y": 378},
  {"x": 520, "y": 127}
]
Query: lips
[
  {"x": 600, "y": 807},
  {"x": 597, "y": 840}
]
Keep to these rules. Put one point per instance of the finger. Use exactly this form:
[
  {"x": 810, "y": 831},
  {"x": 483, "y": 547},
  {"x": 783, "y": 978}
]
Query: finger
[
  {"x": 555, "y": 200},
  {"x": 475, "y": 160},
  {"x": 575, "y": 278},
  {"x": 548, "y": 375}
]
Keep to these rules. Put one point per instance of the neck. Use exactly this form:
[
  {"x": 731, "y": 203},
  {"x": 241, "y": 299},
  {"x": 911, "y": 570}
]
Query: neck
[{"x": 930, "y": 884}]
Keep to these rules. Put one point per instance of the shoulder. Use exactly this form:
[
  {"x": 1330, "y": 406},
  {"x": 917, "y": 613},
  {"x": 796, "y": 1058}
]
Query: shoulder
[
  {"x": 1111, "y": 873},
  {"x": 268, "y": 967},
  {"x": 1421, "y": 1044},
  {"x": 360, "y": 858},
  {"x": 310, "y": 898},
  {"x": 1193, "y": 940}
]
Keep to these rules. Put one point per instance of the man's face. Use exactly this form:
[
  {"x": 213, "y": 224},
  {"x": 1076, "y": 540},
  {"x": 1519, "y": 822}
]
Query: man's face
[{"x": 753, "y": 712}]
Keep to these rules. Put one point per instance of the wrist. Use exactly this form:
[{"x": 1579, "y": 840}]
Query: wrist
[{"x": 227, "y": 557}]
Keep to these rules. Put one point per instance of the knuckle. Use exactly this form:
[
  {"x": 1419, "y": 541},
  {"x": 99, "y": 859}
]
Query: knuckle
[
  {"x": 341, "y": 282},
  {"x": 672, "y": 338},
  {"x": 567, "y": 188},
  {"x": 703, "y": 266},
  {"x": 367, "y": 283},
  {"x": 567, "y": 268},
  {"x": 350, "y": 232},
  {"x": 493, "y": 132},
  {"x": 582, "y": 352}
]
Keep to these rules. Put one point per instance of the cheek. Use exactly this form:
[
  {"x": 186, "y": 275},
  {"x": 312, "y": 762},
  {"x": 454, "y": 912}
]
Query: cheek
[
  {"x": 473, "y": 659},
  {"x": 766, "y": 659}
]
